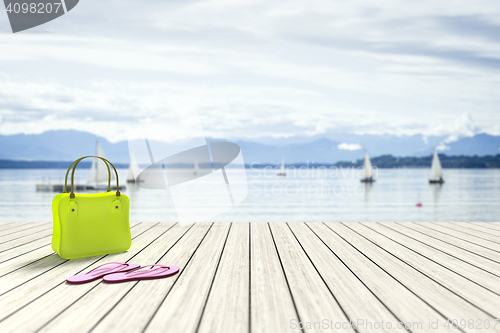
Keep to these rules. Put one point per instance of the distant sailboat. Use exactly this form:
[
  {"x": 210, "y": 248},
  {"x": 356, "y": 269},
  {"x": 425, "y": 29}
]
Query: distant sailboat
[
  {"x": 99, "y": 172},
  {"x": 196, "y": 168},
  {"x": 133, "y": 170},
  {"x": 367, "y": 166},
  {"x": 98, "y": 178},
  {"x": 436, "y": 170},
  {"x": 282, "y": 172},
  {"x": 98, "y": 169}
]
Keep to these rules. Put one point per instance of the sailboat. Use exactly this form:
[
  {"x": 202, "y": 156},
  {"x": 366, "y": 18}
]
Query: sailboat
[
  {"x": 436, "y": 170},
  {"x": 99, "y": 172},
  {"x": 133, "y": 170},
  {"x": 98, "y": 178},
  {"x": 367, "y": 166},
  {"x": 282, "y": 172},
  {"x": 196, "y": 168}
]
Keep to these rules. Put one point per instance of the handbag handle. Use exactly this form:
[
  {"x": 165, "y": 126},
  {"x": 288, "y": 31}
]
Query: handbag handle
[
  {"x": 74, "y": 165},
  {"x": 78, "y": 160}
]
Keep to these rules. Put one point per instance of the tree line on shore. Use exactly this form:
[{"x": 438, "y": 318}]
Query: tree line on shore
[
  {"x": 389, "y": 161},
  {"x": 383, "y": 161}
]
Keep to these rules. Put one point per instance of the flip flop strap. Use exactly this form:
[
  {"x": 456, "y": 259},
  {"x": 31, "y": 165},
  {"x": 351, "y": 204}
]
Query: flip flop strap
[
  {"x": 139, "y": 271},
  {"x": 109, "y": 263}
]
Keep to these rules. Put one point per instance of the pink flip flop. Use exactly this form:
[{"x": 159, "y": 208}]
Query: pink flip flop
[
  {"x": 99, "y": 272},
  {"x": 155, "y": 273}
]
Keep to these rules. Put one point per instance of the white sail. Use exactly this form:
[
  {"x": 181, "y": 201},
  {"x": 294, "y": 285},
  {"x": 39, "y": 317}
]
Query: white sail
[
  {"x": 367, "y": 165},
  {"x": 98, "y": 169},
  {"x": 133, "y": 168},
  {"x": 196, "y": 168},
  {"x": 436, "y": 169},
  {"x": 282, "y": 172}
]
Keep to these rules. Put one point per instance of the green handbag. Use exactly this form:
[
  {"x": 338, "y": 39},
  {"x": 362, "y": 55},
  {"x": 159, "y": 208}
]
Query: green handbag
[{"x": 87, "y": 225}]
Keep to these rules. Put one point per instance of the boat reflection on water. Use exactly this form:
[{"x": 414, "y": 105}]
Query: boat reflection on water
[{"x": 368, "y": 192}]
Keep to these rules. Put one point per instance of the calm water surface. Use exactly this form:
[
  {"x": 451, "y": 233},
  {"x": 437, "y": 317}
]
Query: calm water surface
[{"x": 304, "y": 195}]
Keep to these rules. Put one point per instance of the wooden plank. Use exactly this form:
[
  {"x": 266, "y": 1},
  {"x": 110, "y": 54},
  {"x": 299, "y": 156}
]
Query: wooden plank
[
  {"x": 104, "y": 296},
  {"x": 28, "y": 262},
  {"x": 478, "y": 234},
  {"x": 19, "y": 227},
  {"x": 25, "y": 239},
  {"x": 136, "y": 308},
  {"x": 26, "y": 259},
  {"x": 270, "y": 274},
  {"x": 488, "y": 225},
  {"x": 34, "y": 274},
  {"x": 49, "y": 294},
  {"x": 272, "y": 306},
  {"x": 406, "y": 305},
  {"x": 312, "y": 298},
  {"x": 471, "y": 258},
  {"x": 7, "y": 225},
  {"x": 24, "y": 248},
  {"x": 482, "y": 298},
  {"x": 440, "y": 298},
  {"x": 469, "y": 238},
  {"x": 15, "y": 226},
  {"x": 476, "y": 227},
  {"x": 30, "y": 257},
  {"x": 223, "y": 313},
  {"x": 191, "y": 291},
  {"x": 474, "y": 274},
  {"x": 444, "y": 237},
  {"x": 16, "y": 251},
  {"x": 23, "y": 233},
  {"x": 359, "y": 303}
]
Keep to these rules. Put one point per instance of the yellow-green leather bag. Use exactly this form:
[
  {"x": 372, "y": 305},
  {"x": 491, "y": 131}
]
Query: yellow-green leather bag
[{"x": 87, "y": 225}]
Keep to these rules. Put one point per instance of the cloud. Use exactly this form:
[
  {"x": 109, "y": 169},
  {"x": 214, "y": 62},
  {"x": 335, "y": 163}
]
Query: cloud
[
  {"x": 258, "y": 69},
  {"x": 442, "y": 147},
  {"x": 457, "y": 127},
  {"x": 349, "y": 146},
  {"x": 463, "y": 126}
]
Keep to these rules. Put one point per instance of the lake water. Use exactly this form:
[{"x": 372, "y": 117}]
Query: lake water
[{"x": 304, "y": 195}]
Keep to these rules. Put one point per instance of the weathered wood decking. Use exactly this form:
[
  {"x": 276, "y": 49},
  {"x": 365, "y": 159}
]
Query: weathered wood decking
[{"x": 259, "y": 277}]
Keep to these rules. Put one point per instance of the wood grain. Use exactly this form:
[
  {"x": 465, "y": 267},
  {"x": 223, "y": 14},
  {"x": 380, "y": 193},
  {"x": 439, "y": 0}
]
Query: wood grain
[
  {"x": 464, "y": 236},
  {"x": 451, "y": 305},
  {"x": 135, "y": 310},
  {"x": 359, "y": 303},
  {"x": 40, "y": 281},
  {"x": 487, "y": 265},
  {"x": 384, "y": 285},
  {"x": 23, "y": 240},
  {"x": 476, "y": 294},
  {"x": 104, "y": 296},
  {"x": 272, "y": 307},
  {"x": 192, "y": 285},
  {"x": 227, "y": 305},
  {"x": 436, "y": 258},
  {"x": 34, "y": 232},
  {"x": 461, "y": 243},
  {"x": 477, "y": 234},
  {"x": 313, "y": 299},
  {"x": 260, "y": 277},
  {"x": 7, "y": 225},
  {"x": 18, "y": 227}
]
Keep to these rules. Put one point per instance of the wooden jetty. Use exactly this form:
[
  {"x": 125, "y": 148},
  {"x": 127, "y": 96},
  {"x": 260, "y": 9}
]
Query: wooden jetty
[{"x": 263, "y": 277}]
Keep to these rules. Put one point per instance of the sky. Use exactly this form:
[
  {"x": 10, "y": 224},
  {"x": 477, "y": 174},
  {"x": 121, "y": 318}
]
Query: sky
[{"x": 257, "y": 70}]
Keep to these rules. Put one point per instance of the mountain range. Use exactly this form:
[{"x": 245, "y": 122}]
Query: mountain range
[{"x": 68, "y": 145}]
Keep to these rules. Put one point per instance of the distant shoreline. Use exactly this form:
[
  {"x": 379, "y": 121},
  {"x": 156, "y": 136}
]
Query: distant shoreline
[
  {"x": 12, "y": 164},
  {"x": 381, "y": 162}
]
